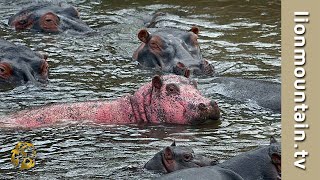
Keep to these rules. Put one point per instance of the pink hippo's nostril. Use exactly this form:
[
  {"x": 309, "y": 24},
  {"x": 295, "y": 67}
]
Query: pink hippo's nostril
[
  {"x": 202, "y": 107},
  {"x": 215, "y": 110},
  {"x": 214, "y": 104}
]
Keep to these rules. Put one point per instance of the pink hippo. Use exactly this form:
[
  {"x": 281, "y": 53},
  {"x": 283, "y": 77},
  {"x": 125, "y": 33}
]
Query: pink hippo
[{"x": 167, "y": 99}]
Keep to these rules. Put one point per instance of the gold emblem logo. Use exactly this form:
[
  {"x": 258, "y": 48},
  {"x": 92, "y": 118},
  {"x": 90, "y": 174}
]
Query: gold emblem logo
[{"x": 23, "y": 155}]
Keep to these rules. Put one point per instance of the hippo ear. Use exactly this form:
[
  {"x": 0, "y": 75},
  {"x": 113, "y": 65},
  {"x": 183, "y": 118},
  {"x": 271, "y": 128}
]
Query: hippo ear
[
  {"x": 168, "y": 154},
  {"x": 156, "y": 82},
  {"x": 276, "y": 160},
  {"x": 194, "y": 83},
  {"x": 143, "y": 35},
  {"x": 272, "y": 140},
  {"x": 187, "y": 73},
  {"x": 45, "y": 56},
  {"x": 195, "y": 30},
  {"x": 173, "y": 143}
]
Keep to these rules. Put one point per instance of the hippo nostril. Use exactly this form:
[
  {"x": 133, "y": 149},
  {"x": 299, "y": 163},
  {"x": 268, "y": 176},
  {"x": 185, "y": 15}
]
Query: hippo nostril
[
  {"x": 213, "y": 103},
  {"x": 202, "y": 107},
  {"x": 23, "y": 21},
  {"x": 212, "y": 163}
]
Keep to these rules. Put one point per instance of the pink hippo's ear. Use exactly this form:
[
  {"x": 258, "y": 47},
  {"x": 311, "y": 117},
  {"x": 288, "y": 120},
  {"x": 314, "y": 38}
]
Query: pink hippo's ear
[
  {"x": 195, "y": 30},
  {"x": 157, "y": 82},
  {"x": 143, "y": 35},
  {"x": 194, "y": 83}
]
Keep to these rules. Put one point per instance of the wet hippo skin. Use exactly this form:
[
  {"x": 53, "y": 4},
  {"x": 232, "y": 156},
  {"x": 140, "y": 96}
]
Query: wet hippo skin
[
  {"x": 19, "y": 65},
  {"x": 173, "y": 158},
  {"x": 48, "y": 17},
  {"x": 172, "y": 50},
  {"x": 167, "y": 99},
  {"x": 266, "y": 94},
  {"x": 260, "y": 164}
]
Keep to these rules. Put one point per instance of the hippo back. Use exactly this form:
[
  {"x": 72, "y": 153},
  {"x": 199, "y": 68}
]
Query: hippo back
[
  {"x": 252, "y": 165},
  {"x": 264, "y": 93},
  {"x": 204, "y": 173}
]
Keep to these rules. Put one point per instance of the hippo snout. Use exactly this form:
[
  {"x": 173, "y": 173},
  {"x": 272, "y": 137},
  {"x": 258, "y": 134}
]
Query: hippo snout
[
  {"x": 202, "y": 161},
  {"x": 193, "y": 68},
  {"x": 210, "y": 111},
  {"x": 206, "y": 113},
  {"x": 215, "y": 115}
]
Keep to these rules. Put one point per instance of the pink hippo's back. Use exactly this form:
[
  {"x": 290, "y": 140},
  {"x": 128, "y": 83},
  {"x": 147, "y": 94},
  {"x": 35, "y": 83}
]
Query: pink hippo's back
[
  {"x": 167, "y": 99},
  {"x": 109, "y": 112}
]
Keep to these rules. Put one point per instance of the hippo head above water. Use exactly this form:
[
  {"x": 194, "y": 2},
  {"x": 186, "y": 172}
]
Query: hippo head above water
[
  {"x": 176, "y": 100},
  {"x": 48, "y": 18},
  {"x": 172, "y": 50},
  {"x": 19, "y": 65},
  {"x": 173, "y": 158}
]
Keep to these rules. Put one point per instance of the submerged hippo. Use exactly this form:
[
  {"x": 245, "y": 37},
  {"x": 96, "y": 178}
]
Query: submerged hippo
[
  {"x": 48, "y": 17},
  {"x": 19, "y": 65},
  {"x": 167, "y": 99},
  {"x": 264, "y": 93},
  {"x": 172, "y": 50},
  {"x": 259, "y": 164},
  {"x": 173, "y": 158}
]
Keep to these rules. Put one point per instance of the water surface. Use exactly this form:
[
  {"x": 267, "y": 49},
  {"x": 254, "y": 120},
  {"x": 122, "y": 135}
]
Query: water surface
[{"x": 240, "y": 38}]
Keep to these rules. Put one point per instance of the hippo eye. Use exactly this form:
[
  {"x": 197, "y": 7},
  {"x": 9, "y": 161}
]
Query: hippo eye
[
  {"x": 155, "y": 46},
  {"x": 172, "y": 89},
  {"x": 187, "y": 157},
  {"x": 23, "y": 21},
  {"x": 5, "y": 70},
  {"x": 49, "y": 22}
]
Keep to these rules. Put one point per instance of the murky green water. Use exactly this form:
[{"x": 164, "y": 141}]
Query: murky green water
[{"x": 241, "y": 38}]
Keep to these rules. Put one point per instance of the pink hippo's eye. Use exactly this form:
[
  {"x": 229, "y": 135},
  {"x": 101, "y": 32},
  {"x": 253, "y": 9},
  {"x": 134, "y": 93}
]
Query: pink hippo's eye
[
  {"x": 172, "y": 89},
  {"x": 5, "y": 70}
]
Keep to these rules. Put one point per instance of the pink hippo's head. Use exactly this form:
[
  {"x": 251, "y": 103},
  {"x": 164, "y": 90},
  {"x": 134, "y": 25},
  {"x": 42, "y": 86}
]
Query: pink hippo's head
[{"x": 173, "y": 99}]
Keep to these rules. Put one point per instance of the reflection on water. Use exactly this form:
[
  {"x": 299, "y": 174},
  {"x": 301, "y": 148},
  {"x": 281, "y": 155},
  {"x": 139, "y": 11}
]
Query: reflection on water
[{"x": 241, "y": 38}]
